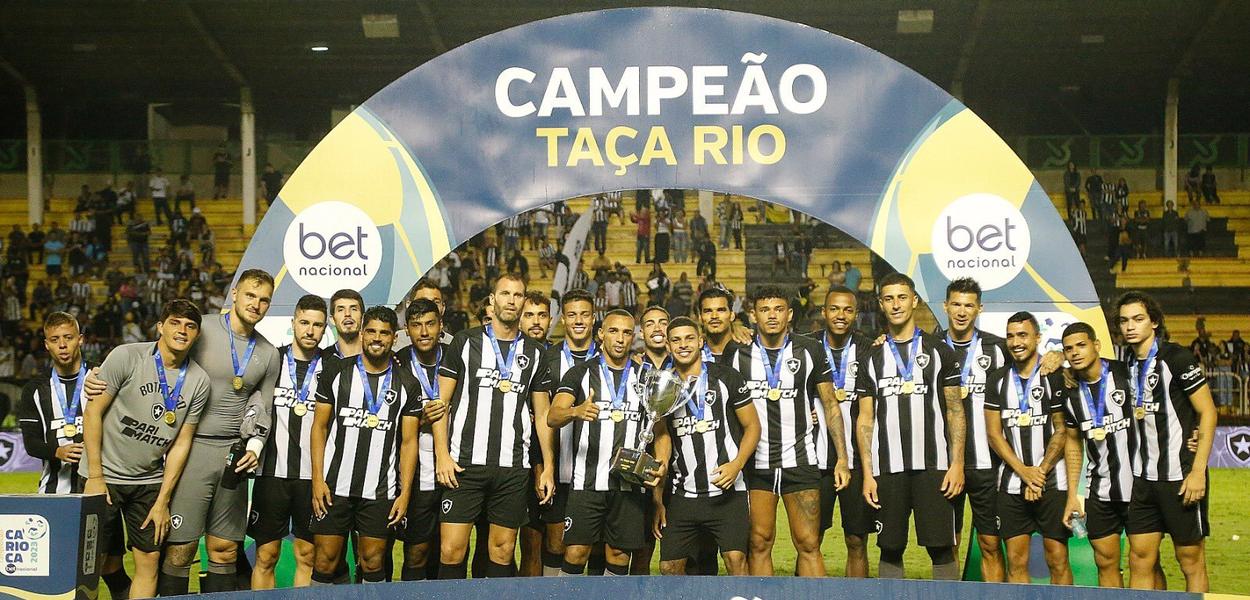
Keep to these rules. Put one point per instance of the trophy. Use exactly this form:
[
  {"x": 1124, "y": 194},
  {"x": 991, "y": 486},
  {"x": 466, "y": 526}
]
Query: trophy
[{"x": 661, "y": 396}]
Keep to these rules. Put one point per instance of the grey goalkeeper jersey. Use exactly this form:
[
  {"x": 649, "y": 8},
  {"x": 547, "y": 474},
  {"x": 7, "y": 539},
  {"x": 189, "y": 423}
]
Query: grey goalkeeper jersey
[
  {"x": 231, "y": 413},
  {"x": 135, "y": 433}
]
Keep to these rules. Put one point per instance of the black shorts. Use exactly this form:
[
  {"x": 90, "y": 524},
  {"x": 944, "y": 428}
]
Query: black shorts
[
  {"x": 555, "y": 512},
  {"x": 1104, "y": 518},
  {"x": 422, "y": 517},
  {"x": 1156, "y": 507},
  {"x": 367, "y": 517},
  {"x": 613, "y": 518},
  {"x": 130, "y": 507},
  {"x": 980, "y": 491},
  {"x": 901, "y": 494},
  {"x": 689, "y": 521},
  {"x": 856, "y": 514},
  {"x": 783, "y": 481},
  {"x": 500, "y": 491},
  {"x": 280, "y": 506},
  {"x": 1018, "y": 516}
]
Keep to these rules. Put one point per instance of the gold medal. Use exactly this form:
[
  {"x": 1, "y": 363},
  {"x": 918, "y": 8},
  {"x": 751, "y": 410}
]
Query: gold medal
[
  {"x": 840, "y": 394},
  {"x": 371, "y": 421},
  {"x": 237, "y": 383},
  {"x": 69, "y": 430},
  {"x": 774, "y": 394},
  {"x": 505, "y": 385},
  {"x": 1098, "y": 433},
  {"x": 963, "y": 391},
  {"x": 1024, "y": 420},
  {"x": 300, "y": 409},
  {"x": 1139, "y": 413},
  {"x": 700, "y": 426},
  {"x": 618, "y": 416},
  {"x": 909, "y": 387},
  {"x": 170, "y": 417}
]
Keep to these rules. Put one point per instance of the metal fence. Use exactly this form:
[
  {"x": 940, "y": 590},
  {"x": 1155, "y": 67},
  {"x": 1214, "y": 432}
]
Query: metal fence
[{"x": 1228, "y": 390}]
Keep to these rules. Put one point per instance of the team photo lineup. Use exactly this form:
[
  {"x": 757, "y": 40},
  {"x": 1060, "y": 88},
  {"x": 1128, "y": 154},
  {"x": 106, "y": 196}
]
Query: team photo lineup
[{"x": 504, "y": 449}]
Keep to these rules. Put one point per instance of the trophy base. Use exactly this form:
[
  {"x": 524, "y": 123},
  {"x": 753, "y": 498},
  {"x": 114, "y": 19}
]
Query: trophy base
[{"x": 632, "y": 465}]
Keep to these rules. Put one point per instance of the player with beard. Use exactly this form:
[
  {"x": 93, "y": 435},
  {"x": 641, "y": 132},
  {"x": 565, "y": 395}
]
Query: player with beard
[
  {"x": 787, "y": 378},
  {"x": 601, "y": 401},
  {"x": 1170, "y": 398},
  {"x": 137, "y": 435},
  {"x": 424, "y": 323},
  {"x": 911, "y": 432},
  {"x": 1024, "y": 418},
  {"x": 716, "y": 314},
  {"x": 243, "y": 368},
  {"x": 346, "y": 309},
  {"x": 845, "y": 349},
  {"x": 487, "y": 380},
  {"x": 364, "y": 451},
  {"x": 707, "y": 442},
  {"x": 979, "y": 352},
  {"x": 535, "y": 322},
  {"x": 50, "y": 416},
  {"x": 577, "y": 313},
  {"x": 654, "y": 355},
  {"x": 282, "y": 494}
]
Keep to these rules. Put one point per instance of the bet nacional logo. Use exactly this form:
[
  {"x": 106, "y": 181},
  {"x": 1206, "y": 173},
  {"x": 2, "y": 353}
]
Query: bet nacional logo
[
  {"x": 982, "y": 236},
  {"x": 332, "y": 245}
]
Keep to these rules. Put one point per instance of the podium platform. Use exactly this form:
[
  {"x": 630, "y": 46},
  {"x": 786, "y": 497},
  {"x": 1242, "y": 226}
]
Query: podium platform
[{"x": 49, "y": 546}]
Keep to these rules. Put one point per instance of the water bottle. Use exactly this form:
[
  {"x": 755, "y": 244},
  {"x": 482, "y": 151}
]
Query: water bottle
[
  {"x": 1078, "y": 524},
  {"x": 229, "y": 477}
]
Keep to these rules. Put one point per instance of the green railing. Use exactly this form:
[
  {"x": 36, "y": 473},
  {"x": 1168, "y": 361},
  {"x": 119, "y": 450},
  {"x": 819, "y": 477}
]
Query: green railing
[{"x": 120, "y": 157}]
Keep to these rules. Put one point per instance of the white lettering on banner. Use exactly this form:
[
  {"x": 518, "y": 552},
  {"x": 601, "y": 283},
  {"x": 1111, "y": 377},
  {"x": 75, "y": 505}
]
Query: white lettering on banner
[
  {"x": 983, "y": 236},
  {"x": 330, "y": 246},
  {"x": 26, "y": 545},
  {"x": 702, "y": 83}
]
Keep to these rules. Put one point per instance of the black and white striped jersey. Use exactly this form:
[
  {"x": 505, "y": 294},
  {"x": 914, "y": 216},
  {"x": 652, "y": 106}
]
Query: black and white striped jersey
[
  {"x": 699, "y": 448},
  {"x": 909, "y": 429},
  {"x": 844, "y": 365},
  {"x": 43, "y": 421},
  {"x": 286, "y": 451},
  {"x": 425, "y": 480},
  {"x": 489, "y": 420},
  {"x": 1108, "y": 461},
  {"x": 1169, "y": 378},
  {"x": 788, "y": 435},
  {"x": 1036, "y": 398},
  {"x": 619, "y": 424},
  {"x": 990, "y": 354},
  {"x": 362, "y": 449},
  {"x": 557, "y": 361}
]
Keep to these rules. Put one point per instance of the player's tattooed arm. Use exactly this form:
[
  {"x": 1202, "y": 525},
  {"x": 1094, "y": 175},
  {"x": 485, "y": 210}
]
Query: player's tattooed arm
[
  {"x": 956, "y": 424},
  {"x": 833, "y": 421},
  {"x": 863, "y": 431},
  {"x": 1074, "y": 453},
  {"x": 1058, "y": 442}
]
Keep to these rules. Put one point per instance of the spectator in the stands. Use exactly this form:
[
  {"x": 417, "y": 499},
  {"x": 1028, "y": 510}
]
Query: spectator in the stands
[
  {"x": 525, "y": 229},
  {"x": 629, "y": 293},
  {"x": 580, "y": 280},
  {"x": 1210, "y": 194},
  {"x": 17, "y": 243},
  {"x": 1093, "y": 189},
  {"x": 81, "y": 292},
  {"x": 602, "y": 306},
  {"x": 613, "y": 290},
  {"x": 77, "y": 257},
  {"x": 681, "y": 238},
  {"x": 1121, "y": 195},
  {"x": 1204, "y": 349},
  {"x": 658, "y": 286},
  {"x": 138, "y": 233},
  {"x": 1115, "y": 220},
  {"x": 707, "y": 259},
  {"x": 1196, "y": 221},
  {"x": 102, "y": 215},
  {"x": 132, "y": 333},
  {"x": 1078, "y": 225},
  {"x": 853, "y": 276},
  {"x": 547, "y": 254},
  {"x": 1171, "y": 226},
  {"x": 83, "y": 203},
  {"x": 81, "y": 224},
  {"x": 178, "y": 229},
  {"x": 683, "y": 294},
  {"x": 271, "y": 182},
  {"x": 542, "y": 218},
  {"x": 126, "y": 200},
  {"x": 642, "y": 235},
  {"x": 197, "y": 223},
  {"x": 208, "y": 246},
  {"x": 1141, "y": 229},
  {"x": 663, "y": 234},
  {"x": 1192, "y": 183},
  {"x": 735, "y": 224},
  {"x": 601, "y": 265},
  {"x": 1124, "y": 246},
  {"x": 698, "y": 230},
  {"x": 221, "y": 172},
  {"x": 781, "y": 255},
  {"x": 184, "y": 193},
  {"x": 158, "y": 186},
  {"x": 836, "y": 276},
  {"x": 1237, "y": 352},
  {"x": 54, "y": 257},
  {"x": 724, "y": 213},
  {"x": 599, "y": 223},
  {"x": 34, "y": 244},
  {"x": 106, "y": 201},
  {"x": 1071, "y": 187},
  {"x": 18, "y": 270},
  {"x": 517, "y": 263},
  {"x": 615, "y": 207}
]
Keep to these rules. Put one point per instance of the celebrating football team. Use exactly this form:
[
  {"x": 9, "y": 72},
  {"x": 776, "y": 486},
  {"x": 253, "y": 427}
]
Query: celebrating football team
[{"x": 355, "y": 445}]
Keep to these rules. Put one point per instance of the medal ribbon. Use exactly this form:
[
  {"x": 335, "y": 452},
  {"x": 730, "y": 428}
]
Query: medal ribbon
[
  {"x": 234, "y": 354},
  {"x": 568, "y": 354},
  {"x": 905, "y": 371},
  {"x": 1023, "y": 387},
  {"x": 1098, "y": 408},
  {"x": 505, "y": 366},
  {"x": 838, "y": 371},
  {"x": 968, "y": 357},
  {"x": 170, "y": 398},
  {"x": 69, "y": 410},
  {"x": 696, "y": 401},
  {"x": 373, "y": 403},
  {"x": 707, "y": 354},
  {"x": 428, "y": 386},
  {"x": 1144, "y": 367},
  {"x": 301, "y": 391},
  {"x": 618, "y": 393},
  {"x": 773, "y": 372}
]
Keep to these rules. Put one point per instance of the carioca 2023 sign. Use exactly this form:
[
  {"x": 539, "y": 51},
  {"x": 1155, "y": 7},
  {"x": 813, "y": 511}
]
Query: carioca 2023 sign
[{"x": 674, "y": 98}]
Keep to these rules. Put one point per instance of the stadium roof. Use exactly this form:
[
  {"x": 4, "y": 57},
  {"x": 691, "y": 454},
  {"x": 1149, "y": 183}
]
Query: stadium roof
[{"x": 1028, "y": 67}]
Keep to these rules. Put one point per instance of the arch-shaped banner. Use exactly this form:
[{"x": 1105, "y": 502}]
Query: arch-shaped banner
[{"x": 674, "y": 98}]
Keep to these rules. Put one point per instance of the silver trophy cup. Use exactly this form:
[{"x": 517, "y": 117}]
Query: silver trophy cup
[{"x": 661, "y": 397}]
